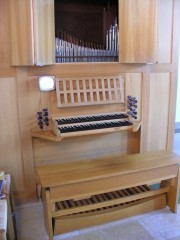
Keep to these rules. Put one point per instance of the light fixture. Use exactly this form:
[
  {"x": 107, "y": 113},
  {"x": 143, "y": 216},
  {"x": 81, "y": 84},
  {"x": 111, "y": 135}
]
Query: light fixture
[{"x": 46, "y": 83}]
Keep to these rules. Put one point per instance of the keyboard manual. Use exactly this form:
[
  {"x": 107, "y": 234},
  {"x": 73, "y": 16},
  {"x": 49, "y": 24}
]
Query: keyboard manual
[{"x": 85, "y": 124}]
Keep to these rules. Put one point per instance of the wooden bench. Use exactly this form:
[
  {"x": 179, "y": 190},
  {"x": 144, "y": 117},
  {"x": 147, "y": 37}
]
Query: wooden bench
[{"x": 89, "y": 192}]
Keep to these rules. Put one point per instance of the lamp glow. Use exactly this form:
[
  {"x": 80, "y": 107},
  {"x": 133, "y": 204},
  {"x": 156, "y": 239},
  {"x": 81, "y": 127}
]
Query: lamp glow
[{"x": 46, "y": 83}]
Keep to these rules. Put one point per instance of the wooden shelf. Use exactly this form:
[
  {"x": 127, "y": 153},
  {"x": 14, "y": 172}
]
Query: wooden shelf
[{"x": 47, "y": 135}]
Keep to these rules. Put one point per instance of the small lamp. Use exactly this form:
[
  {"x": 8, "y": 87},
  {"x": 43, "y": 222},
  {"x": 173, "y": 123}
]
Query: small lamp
[{"x": 46, "y": 83}]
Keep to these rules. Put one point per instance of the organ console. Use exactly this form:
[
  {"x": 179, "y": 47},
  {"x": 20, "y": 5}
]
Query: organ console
[{"x": 86, "y": 92}]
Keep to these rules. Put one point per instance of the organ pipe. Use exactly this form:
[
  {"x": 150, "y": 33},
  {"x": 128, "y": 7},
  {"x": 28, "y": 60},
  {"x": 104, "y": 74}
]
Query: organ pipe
[{"x": 72, "y": 49}]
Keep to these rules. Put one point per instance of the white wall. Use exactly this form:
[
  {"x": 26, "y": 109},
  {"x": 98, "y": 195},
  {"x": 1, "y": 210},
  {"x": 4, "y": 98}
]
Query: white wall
[{"x": 178, "y": 96}]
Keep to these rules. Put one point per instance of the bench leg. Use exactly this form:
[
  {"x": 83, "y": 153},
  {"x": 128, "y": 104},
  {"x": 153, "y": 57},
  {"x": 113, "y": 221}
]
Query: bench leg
[
  {"x": 172, "y": 195},
  {"x": 47, "y": 212},
  {"x": 38, "y": 190}
]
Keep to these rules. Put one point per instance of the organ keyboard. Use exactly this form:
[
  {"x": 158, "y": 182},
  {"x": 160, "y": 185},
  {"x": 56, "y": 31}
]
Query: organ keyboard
[{"x": 90, "y": 124}]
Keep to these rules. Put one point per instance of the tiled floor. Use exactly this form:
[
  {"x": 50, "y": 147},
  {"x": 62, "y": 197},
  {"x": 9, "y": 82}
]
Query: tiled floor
[{"x": 157, "y": 225}]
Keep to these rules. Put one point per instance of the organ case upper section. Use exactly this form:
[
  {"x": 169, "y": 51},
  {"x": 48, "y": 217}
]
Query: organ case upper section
[{"x": 123, "y": 31}]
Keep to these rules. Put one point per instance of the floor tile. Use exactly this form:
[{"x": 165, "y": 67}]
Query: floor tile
[
  {"x": 30, "y": 211},
  {"x": 162, "y": 226},
  {"x": 126, "y": 231},
  {"x": 176, "y": 238},
  {"x": 32, "y": 229},
  {"x": 71, "y": 235}
]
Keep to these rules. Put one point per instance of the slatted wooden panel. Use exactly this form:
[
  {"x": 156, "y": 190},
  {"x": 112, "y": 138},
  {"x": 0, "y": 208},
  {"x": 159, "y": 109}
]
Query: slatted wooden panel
[
  {"x": 99, "y": 201},
  {"x": 89, "y": 91}
]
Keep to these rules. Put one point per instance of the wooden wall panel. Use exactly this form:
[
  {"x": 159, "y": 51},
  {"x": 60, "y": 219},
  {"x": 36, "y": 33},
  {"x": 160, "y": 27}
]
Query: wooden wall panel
[
  {"x": 20, "y": 14},
  {"x": 138, "y": 44},
  {"x": 47, "y": 152},
  {"x": 4, "y": 44},
  {"x": 26, "y": 140},
  {"x": 158, "y": 111},
  {"x": 165, "y": 31},
  {"x": 10, "y": 143},
  {"x": 15, "y": 144},
  {"x": 174, "y": 73},
  {"x": 43, "y": 30}
]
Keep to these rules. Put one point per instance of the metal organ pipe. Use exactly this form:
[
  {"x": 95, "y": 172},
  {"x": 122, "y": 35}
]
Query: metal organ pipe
[{"x": 71, "y": 49}]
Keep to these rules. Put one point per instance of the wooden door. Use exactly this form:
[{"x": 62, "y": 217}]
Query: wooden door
[
  {"x": 44, "y": 32},
  {"x": 21, "y": 32},
  {"x": 32, "y": 36},
  {"x": 138, "y": 31}
]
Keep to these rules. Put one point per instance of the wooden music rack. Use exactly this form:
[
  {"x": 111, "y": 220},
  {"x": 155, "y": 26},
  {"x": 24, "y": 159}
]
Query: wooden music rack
[{"x": 89, "y": 91}]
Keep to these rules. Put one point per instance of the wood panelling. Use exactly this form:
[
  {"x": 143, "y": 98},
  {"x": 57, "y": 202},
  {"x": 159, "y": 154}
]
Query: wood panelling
[
  {"x": 44, "y": 32},
  {"x": 48, "y": 152},
  {"x": 138, "y": 31},
  {"x": 21, "y": 32},
  {"x": 158, "y": 110},
  {"x": 145, "y": 108},
  {"x": 84, "y": 69},
  {"x": 174, "y": 74},
  {"x": 31, "y": 28},
  {"x": 25, "y": 133},
  {"x": 4, "y": 37},
  {"x": 10, "y": 143},
  {"x": 16, "y": 147},
  {"x": 12, "y": 149},
  {"x": 7, "y": 72},
  {"x": 165, "y": 30}
]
